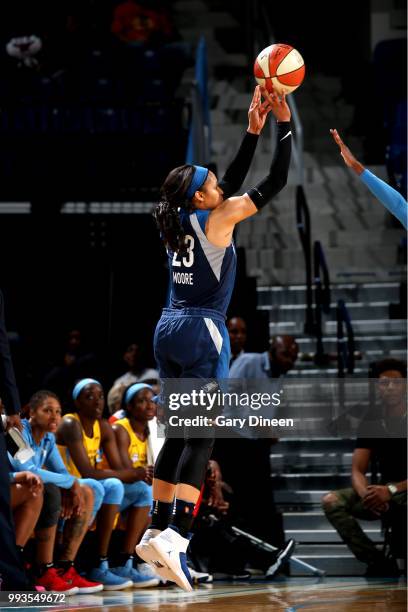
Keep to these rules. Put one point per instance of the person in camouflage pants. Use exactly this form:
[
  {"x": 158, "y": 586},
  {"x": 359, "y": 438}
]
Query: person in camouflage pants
[
  {"x": 388, "y": 500},
  {"x": 343, "y": 507}
]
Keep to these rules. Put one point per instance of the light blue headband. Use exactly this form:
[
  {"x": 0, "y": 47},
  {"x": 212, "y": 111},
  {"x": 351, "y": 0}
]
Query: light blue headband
[
  {"x": 198, "y": 180},
  {"x": 81, "y": 384},
  {"x": 131, "y": 392}
]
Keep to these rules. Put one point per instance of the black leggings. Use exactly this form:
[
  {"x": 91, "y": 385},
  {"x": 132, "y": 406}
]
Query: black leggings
[
  {"x": 184, "y": 460},
  {"x": 51, "y": 508}
]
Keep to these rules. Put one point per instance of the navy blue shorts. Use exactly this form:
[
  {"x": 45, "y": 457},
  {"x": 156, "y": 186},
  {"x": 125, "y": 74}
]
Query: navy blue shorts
[{"x": 192, "y": 343}]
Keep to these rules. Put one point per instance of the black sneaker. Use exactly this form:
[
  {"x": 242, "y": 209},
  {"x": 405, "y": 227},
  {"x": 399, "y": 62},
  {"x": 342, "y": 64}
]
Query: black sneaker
[{"x": 282, "y": 556}]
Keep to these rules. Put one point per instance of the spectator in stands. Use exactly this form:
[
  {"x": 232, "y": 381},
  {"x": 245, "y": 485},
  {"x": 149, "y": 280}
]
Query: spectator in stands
[
  {"x": 388, "y": 196},
  {"x": 141, "y": 23},
  {"x": 277, "y": 361},
  {"x": 26, "y": 503},
  {"x": 85, "y": 441},
  {"x": 137, "y": 372},
  {"x": 251, "y": 484},
  {"x": 147, "y": 30},
  {"x": 388, "y": 500},
  {"x": 77, "y": 505},
  {"x": 237, "y": 330}
]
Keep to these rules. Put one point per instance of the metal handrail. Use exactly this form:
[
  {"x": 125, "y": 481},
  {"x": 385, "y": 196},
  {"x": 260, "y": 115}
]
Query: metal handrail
[
  {"x": 322, "y": 299},
  {"x": 304, "y": 230},
  {"x": 345, "y": 348}
]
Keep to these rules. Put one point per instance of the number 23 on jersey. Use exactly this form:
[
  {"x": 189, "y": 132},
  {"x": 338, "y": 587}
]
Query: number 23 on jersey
[{"x": 187, "y": 259}]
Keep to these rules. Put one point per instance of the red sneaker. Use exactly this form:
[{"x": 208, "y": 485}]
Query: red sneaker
[
  {"x": 72, "y": 577},
  {"x": 52, "y": 581}
]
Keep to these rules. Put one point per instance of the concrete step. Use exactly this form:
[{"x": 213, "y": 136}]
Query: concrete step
[
  {"x": 310, "y": 481},
  {"x": 284, "y": 235},
  {"x": 306, "y": 461},
  {"x": 328, "y": 535},
  {"x": 349, "y": 292},
  {"x": 317, "y": 520},
  {"x": 379, "y": 327},
  {"x": 301, "y": 498},
  {"x": 360, "y": 371},
  {"x": 347, "y": 207},
  {"x": 306, "y": 361},
  {"x": 369, "y": 345},
  {"x": 376, "y": 355},
  {"x": 301, "y": 527},
  {"x": 319, "y": 414},
  {"x": 368, "y": 326},
  {"x": 324, "y": 445},
  {"x": 338, "y": 258},
  {"x": 281, "y": 258},
  {"x": 322, "y": 392},
  {"x": 287, "y": 276},
  {"x": 334, "y": 559},
  {"x": 357, "y": 310},
  {"x": 278, "y": 266},
  {"x": 361, "y": 367}
]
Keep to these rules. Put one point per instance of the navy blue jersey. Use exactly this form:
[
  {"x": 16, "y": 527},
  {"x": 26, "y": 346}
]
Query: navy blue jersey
[{"x": 204, "y": 276}]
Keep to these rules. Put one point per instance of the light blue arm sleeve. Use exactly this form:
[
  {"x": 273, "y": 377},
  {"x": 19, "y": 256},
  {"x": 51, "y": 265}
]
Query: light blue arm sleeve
[
  {"x": 56, "y": 473},
  {"x": 55, "y": 465},
  {"x": 388, "y": 196}
]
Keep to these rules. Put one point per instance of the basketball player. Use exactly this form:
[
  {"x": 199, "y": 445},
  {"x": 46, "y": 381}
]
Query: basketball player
[
  {"x": 85, "y": 499},
  {"x": 196, "y": 217},
  {"x": 84, "y": 441}
]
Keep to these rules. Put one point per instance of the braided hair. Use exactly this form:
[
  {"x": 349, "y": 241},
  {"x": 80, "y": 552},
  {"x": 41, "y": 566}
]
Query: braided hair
[{"x": 173, "y": 195}]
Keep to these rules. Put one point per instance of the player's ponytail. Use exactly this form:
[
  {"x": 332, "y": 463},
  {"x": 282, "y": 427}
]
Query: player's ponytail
[{"x": 173, "y": 196}]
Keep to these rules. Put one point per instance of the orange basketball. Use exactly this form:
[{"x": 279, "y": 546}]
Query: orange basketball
[{"x": 279, "y": 67}]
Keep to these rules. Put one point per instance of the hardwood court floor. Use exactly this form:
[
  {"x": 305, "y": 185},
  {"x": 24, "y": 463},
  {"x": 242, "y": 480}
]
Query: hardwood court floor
[{"x": 286, "y": 595}]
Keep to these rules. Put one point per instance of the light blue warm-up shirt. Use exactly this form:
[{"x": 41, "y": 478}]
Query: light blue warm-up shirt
[
  {"x": 46, "y": 455},
  {"x": 388, "y": 196}
]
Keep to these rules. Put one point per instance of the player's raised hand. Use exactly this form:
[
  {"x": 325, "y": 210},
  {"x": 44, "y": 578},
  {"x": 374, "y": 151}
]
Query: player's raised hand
[
  {"x": 344, "y": 150},
  {"x": 278, "y": 105},
  {"x": 257, "y": 112},
  {"x": 346, "y": 154}
]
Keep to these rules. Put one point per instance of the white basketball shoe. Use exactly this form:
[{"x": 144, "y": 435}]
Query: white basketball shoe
[{"x": 166, "y": 552}]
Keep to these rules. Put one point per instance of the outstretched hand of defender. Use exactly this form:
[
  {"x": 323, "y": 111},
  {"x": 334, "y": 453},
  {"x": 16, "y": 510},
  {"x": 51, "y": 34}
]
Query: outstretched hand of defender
[
  {"x": 346, "y": 154},
  {"x": 257, "y": 113},
  {"x": 277, "y": 104}
]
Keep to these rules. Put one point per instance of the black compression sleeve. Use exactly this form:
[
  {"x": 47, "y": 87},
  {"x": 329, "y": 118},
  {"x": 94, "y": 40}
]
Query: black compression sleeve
[
  {"x": 238, "y": 168},
  {"x": 278, "y": 173}
]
